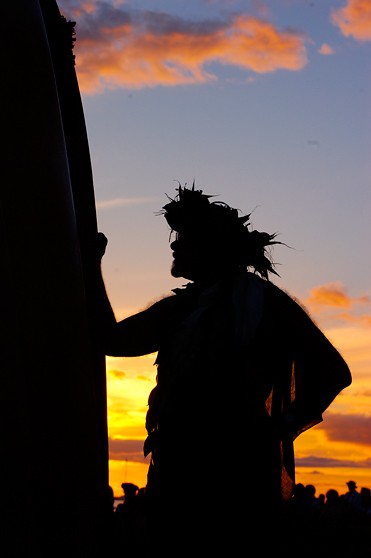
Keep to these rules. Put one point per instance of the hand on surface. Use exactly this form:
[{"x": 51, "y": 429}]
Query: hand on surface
[{"x": 102, "y": 242}]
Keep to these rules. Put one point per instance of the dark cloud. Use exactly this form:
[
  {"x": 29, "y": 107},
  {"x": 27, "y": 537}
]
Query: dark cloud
[
  {"x": 126, "y": 450},
  {"x": 97, "y": 24},
  {"x": 325, "y": 462},
  {"x": 348, "y": 428},
  {"x": 160, "y": 23}
]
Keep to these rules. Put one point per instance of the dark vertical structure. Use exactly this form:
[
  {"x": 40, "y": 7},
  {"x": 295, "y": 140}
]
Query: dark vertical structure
[{"x": 53, "y": 416}]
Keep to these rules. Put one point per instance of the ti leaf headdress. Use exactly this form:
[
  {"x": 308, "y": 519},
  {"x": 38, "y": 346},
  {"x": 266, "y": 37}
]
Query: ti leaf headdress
[{"x": 192, "y": 209}]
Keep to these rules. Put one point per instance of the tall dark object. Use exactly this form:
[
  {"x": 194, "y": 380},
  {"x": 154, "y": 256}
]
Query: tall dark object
[
  {"x": 53, "y": 416},
  {"x": 61, "y": 36}
]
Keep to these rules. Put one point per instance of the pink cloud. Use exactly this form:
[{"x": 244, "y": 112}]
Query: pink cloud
[
  {"x": 348, "y": 428},
  {"x": 331, "y": 302},
  {"x": 122, "y": 450},
  {"x": 124, "y": 48},
  {"x": 354, "y": 19},
  {"x": 332, "y": 294},
  {"x": 326, "y": 49}
]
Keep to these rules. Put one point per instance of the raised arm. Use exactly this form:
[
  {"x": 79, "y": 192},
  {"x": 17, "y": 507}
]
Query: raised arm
[{"x": 136, "y": 335}]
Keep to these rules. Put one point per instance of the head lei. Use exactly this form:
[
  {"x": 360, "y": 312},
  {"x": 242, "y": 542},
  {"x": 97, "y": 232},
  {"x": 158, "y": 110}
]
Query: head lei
[{"x": 192, "y": 209}]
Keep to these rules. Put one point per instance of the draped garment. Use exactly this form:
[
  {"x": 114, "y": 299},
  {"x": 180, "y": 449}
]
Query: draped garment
[{"x": 239, "y": 378}]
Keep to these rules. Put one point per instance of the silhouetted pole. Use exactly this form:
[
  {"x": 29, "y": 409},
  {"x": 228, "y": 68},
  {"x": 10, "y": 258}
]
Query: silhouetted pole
[
  {"x": 81, "y": 177},
  {"x": 53, "y": 421}
]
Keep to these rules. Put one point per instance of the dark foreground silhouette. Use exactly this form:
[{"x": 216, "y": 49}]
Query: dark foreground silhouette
[
  {"x": 242, "y": 370},
  {"x": 323, "y": 526}
]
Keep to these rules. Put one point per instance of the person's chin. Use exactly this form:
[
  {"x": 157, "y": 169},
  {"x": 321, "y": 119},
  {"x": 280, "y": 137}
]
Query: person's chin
[
  {"x": 175, "y": 270},
  {"x": 179, "y": 271}
]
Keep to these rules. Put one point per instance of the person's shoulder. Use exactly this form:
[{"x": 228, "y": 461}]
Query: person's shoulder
[
  {"x": 253, "y": 281},
  {"x": 158, "y": 307},
  {"x": 284, "y": 304},
  {"x": 282, "y": 294},
  {"x": 276, "y": 299}
]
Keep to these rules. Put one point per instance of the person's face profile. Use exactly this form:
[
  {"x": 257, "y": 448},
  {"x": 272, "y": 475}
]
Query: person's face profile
[
  {"x": 198, "y": 254},
  {"x": 187, "y": 255}
]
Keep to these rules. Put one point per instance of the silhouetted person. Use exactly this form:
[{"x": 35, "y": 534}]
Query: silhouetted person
[
  {"x": 366, "y": 500},
  {"x": 333, "y": 514},
  {"x": 130, "y": 527},
  {"x": 344, "y": 529},
  {"x": 358, "y": 525},
  {"x": 242, "y": 370},
  {"x": 352, "y": 497},
  {"x": 301, "y": 521},
  {"x": 321, "y": 498},
  {"x": 107, "y": 538},
  {"x": 130, "y": 490},
  {"x": 310, "y": 491}
]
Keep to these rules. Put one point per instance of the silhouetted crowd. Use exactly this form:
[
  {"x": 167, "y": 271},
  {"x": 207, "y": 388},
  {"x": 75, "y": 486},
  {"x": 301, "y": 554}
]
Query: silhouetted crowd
[{"x": 330, "y": 525}]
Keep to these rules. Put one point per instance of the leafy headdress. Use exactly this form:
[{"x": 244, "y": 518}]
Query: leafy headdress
[{"x": 191, "y": 209}]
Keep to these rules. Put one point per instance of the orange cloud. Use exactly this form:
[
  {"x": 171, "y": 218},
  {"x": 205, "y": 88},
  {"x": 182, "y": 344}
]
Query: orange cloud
[
  {"x": 326, "y": 301},
  {"x": 326, "y": 49},
  {"x": 332, "y": 294},
  {"x": 354, "y": 19},
  {"x": 124, "y": 48},
  {"x": 119, "y": 374}
]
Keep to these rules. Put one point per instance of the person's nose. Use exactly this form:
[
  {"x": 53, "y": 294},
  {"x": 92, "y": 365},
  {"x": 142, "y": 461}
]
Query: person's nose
[{"x": 174, "y": 244}]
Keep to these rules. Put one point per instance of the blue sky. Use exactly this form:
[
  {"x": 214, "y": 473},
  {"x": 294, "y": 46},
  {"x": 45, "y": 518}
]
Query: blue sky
[
  {"x": 264, "y": 104},
  {"x": 292, "y": 143}
]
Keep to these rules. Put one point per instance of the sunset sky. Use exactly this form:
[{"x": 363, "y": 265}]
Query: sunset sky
[{"x": 266, "y": 105}]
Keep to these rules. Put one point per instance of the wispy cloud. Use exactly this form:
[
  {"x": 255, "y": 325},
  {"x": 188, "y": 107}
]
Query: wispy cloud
[
  {"x": 348, "y": 428},
  {"x": 332, "y": 304},
  {"x": 117, "y": 374},
  {"x": 332, "y": 294},
  {"x": 335, "y": 295},
  {"x": 354, "y": 19},
  {"x": 122, "y": 202},
  {"x": 122, "y": 450},
  {"x": 315, "y": 461},
  {"x": 123, "y": 48}
]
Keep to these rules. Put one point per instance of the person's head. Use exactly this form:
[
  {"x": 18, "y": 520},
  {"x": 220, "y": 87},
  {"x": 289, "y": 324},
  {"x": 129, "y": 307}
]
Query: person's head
[
  {"x": 130, "y": 489},
  {"x": 351, "y": 485},
  {"x": 310, "y": 490},
  {"x": 212, "y": 239},
  {"x": 299, "y": 490},
  {"x": 332, "y": 496}
]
